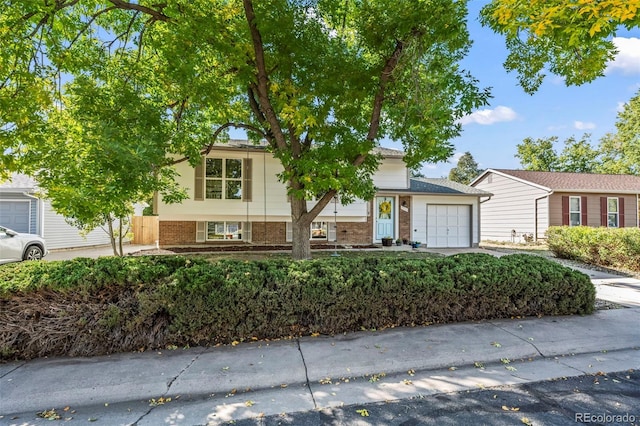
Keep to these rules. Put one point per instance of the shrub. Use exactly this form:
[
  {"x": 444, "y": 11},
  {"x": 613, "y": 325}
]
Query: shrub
[
  {"x": 98, "y": 306},
  {"x": 614, "y": 247}
]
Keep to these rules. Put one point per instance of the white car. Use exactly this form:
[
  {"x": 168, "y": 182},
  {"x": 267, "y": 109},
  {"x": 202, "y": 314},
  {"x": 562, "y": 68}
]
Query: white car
[{"x": 15, "y": 247}]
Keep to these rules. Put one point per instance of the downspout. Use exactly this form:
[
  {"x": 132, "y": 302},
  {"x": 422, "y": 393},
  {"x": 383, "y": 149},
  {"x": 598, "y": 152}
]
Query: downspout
[
  {"x": 535, "y": 216},
  {"x": 40, "y": 212}
]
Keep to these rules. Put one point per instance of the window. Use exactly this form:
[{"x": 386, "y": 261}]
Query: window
[
  {"x": 224, "y": 231},
  {"x": 575, "y": 211},
  {"x": 319, "y": 230},
  {"x": 612, "y": 213},
  {"x": 223, "y": 178}
]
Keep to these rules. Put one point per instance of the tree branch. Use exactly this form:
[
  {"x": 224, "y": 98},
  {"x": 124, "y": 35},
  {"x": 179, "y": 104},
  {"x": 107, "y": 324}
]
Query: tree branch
[
  {"x": 262, "y": 87},
  {"x": 206, "y": 150},
  {"x": 156, "y": 14}
]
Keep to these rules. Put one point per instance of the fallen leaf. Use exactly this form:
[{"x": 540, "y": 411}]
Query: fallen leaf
[
  {"x": 478, "y": 365},
  {"x": 315, "y": 334},
  {"x": 49, "y": 414},
  {"x": 249, "y": 403},
  {"x": 496, "y": 344},
  {"x": 510, "y": 368},
  {"x": 453, "y": 368},
  {"x": 411, "y": 372},
  {"x": 526, "y": 421},
  {"x": 407, "y": 382},
  {"x": 363, "y": 412},
  {"x": 505, "y": 360}
]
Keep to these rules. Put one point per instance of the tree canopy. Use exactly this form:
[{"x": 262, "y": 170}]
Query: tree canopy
[
  {"x": 569, "y": 38},
  {"x": 466, "y": 170}
]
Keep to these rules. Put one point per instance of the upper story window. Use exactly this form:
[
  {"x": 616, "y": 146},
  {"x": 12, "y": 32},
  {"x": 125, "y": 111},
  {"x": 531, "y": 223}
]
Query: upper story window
[
  {"x": 575, "y": 211},
  {"x": 613, "y": 213},
  {"x": 223, "y": 177}
]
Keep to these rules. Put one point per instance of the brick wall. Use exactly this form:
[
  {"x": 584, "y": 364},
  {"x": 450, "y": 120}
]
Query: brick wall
[
  {"x": 268, "y": 233},
  {"x": 405, "y": 218},
  {"x": 177, "y": 233},
  {"x": 184, "y": 233}
]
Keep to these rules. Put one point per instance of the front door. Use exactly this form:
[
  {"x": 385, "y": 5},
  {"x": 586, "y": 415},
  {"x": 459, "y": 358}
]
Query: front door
[{"x": 385, "y": 212}]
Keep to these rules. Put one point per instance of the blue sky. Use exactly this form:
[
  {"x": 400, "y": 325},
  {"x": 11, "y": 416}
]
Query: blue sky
[{"x": 492, "y": 133}]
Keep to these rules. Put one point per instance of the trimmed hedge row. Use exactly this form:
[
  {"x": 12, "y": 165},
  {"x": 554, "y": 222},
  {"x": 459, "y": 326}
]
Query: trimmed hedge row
[
  {"x": 87, "y": 307},
  {"x": 614, "y": 247}
]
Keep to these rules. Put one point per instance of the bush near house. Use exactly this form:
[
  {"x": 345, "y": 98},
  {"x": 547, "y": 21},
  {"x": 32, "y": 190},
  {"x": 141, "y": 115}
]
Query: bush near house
[
  {"x": 609, "y": 247},
  {"x": 88, "y": 307}
]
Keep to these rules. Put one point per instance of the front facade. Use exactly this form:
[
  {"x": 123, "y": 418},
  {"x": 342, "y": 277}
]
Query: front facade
[
  {"x": 235, "y": 197},
  {"x": 23, "y": 211},
  {"x": 525, "y": 204}
]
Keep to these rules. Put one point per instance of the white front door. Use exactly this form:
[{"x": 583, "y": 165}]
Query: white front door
[
  {"x": 448, "y": 226},
  {"x": 384, "y": 214}
]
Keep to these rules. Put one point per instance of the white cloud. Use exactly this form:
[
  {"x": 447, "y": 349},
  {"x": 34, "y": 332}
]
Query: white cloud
[
  {"x": 490, "y": 116},
  {"x": 455, "y": 157},
  {"x": 581, "y": 125},
  {"x": 627, "y": 60}
]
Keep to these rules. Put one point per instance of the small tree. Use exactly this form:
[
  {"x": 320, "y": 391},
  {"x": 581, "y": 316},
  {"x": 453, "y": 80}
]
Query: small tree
[{"x": 466, "y": 170}]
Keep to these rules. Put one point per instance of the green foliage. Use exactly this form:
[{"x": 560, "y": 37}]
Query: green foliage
[
  {"x": 616, "y": 247},
  {"x": 620, "y": 151},
  {"x": 466, "y": 170},
  {"x": 568, "y": 38},
  {"x": 122, "y": 304},
  {"x": 148, "y": 84}
]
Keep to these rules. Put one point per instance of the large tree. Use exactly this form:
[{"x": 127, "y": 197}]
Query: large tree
[
  {"x": 466, "y": 170},
  {"x": 321, "y": 81},
  {"x": 620, "y": 151}
]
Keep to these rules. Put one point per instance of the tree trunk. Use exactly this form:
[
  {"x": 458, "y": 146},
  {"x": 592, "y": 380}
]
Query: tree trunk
[
  {"x": 300, "y": 225},
  {"x": 120, "y": 237},
  {"x": 111, "y": 237}
]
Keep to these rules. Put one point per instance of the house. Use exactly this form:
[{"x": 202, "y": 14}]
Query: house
[
  {"x": 23, "y": 211},
  {"x": 235, "y": 197},
  {"x": 525, "y": 203}
]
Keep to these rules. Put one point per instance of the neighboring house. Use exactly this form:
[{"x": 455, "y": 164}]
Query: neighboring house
[
  {"x": 22, "y": 211},
  {"x": 235, "y": 197},
  {"x": 526, "y": 203}
]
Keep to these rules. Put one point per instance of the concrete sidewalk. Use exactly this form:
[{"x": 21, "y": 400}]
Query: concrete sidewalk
[{"x": 200, "y": 386}]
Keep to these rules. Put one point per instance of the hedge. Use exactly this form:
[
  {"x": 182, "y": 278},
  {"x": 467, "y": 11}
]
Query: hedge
[
  {"x": 87, "y": 307},
  {"x": 608, "y": 247}
]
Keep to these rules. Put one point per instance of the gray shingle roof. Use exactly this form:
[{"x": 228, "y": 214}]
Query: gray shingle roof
[
  {"x": 19, "y": 181},
  {"x": 561, "y": 181},
  {"x": 443, "y": 186}
]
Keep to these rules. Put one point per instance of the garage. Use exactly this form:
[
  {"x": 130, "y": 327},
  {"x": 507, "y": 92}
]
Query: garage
[
  {"x": 448, "y": 225},
  {"x": 15, "y": 215}
]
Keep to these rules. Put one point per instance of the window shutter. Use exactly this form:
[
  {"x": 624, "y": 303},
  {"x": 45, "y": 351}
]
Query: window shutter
[
  {"x": 198, "y": 188},
  {"x": 289, "y": 236},
  {"x": 621, "y": 212},
  {"x": 565, "y": 210},
  {"x": 246, "y": 232},
  {"x": 603, "y": 211},
  {"x": 247, "y": 179},
  {"x": 583, "y": 211},
  {"x": 201, "y": 232}
]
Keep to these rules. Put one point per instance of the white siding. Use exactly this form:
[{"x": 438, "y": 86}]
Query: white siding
[
  {"x": 419, "y": 214},
  {"x": 59, "y": 234},
  {"x": 392, "y": 174},
  {"x": 512, "y": 207},
  {"x": 269, "y": 197}
]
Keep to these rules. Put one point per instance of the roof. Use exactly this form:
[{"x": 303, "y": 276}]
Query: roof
[
  {"x": 18, "y": 182},
  {"x": 246, "y": 144},
  {"x": 443, "y": 186},
  {"x": 575, "y": 182}
]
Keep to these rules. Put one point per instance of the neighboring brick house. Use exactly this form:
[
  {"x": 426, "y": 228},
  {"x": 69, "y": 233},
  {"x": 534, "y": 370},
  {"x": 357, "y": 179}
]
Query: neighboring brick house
[
  {"x": 526, "y": 203},
  {"x": 235, "y": 197}
]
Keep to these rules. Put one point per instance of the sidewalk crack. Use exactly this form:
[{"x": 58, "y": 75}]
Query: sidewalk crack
[
  {"x": 306, "y": 374},
  {"x": 521, "y": 338},
  {"x": 151, "y": 408},
  {"x": 12, "y": 370}
]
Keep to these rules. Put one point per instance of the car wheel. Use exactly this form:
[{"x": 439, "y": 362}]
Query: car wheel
[{"x": 33, "y": 253}]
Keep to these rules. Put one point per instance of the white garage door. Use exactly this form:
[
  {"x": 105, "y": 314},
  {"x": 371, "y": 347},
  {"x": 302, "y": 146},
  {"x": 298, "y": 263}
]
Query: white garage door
[
  {"x": 448, "y": 225},
  {"x": 15, "y": 215}
]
